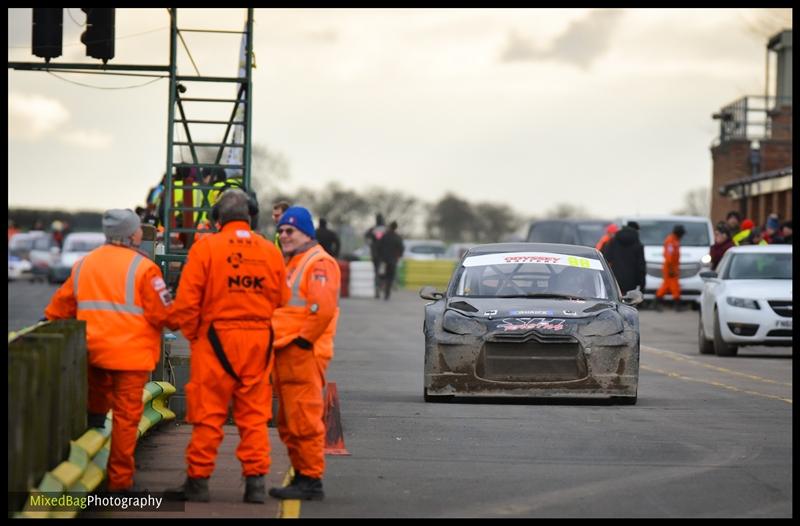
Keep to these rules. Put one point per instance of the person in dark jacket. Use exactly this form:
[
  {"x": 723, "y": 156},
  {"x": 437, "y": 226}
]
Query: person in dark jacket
[
  {"x": 328, "y": 238},
  {"x": 625, "y": 256},
  {"x": 390, "y": 250},
  {"x": 722, "y": 242}
]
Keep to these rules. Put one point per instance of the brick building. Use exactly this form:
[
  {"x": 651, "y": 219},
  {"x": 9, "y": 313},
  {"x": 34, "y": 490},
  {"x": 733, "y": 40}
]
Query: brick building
[{"x": 752, "y": 157}]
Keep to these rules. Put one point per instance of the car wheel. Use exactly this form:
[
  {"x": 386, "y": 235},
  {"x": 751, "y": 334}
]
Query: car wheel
[
  {"x": 721, "y": 348},
  {"x": 435, "y": 398},
  {"x": 705, "y": 346}
]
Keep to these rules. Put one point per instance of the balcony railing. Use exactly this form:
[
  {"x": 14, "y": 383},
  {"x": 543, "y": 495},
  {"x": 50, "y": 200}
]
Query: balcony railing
[{"x": 749, "y": 117}]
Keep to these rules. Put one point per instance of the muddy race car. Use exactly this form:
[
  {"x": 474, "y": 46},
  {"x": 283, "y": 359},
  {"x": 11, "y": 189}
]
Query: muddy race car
[{"x": 531, "y": 320}]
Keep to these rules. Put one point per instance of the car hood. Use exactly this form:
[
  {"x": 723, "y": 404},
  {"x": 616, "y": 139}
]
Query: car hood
[
  {"x": 655, "y": 254},
  {"x": 773, "y": 289}
]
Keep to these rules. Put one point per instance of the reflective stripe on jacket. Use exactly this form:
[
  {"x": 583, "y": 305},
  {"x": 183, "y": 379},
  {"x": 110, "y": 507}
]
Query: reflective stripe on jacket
[{"x": 313, "y": 308}]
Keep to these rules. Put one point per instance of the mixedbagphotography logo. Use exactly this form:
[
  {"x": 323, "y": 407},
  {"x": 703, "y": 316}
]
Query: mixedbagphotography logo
[{"x": 79, "y": 502}]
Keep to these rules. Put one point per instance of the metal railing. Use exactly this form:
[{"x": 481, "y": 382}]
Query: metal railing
[{"x": 749, "y": 117}]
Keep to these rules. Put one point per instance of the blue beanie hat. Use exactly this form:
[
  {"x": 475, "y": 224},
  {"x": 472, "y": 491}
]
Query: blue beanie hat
[
  {"x": 300, "y": 218},
  {"x": 772, "y": 222}
]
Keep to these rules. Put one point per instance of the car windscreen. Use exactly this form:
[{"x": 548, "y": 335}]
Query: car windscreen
[
  {"x": 759, "y": 266},
  {"x": 590, "y": 233},
  {"x": 654, "y": 232},
  {"x": 82, "y": 245},
  {"x": 20, "y": 243},
  {"x": 532, "y": 274}
]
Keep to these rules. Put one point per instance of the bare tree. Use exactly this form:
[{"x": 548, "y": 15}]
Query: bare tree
[
  {"x": 696, "y": 202},
  {"x": 494, "y": 222},
  {"x": 565, "y": 211},
  {"x": 395, "y": 206},
  {"x": 451, "y": 219}
]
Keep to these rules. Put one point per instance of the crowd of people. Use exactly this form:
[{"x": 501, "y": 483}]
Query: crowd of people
[{"x": 625, "y": 253}]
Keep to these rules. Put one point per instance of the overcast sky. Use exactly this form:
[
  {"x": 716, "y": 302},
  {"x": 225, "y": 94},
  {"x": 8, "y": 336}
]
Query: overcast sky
[{"x": 608, "y": 110}]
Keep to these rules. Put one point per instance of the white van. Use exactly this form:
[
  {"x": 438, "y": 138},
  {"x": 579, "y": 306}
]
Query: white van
[{"x": 695, "y": 248}]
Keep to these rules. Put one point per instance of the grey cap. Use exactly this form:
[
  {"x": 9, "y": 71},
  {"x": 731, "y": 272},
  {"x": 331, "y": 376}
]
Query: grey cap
[{"x": 120, "y": 223}]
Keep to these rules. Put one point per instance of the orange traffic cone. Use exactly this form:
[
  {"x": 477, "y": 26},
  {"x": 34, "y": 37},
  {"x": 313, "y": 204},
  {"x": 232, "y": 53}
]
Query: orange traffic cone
[{"x": 334, "y": 438}]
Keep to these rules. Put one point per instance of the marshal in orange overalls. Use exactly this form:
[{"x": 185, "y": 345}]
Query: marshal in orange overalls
[
  {"x": 671, "y": 268},
  {"x": 311, "y": 314},
  {"x": 125, "y": 303},
  {"x": 232, "y": 281}
]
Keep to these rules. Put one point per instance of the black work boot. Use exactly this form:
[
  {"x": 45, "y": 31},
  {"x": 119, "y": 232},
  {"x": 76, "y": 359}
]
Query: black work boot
[
  {"x": 301, "y": 488},
  {"x": 680, "y": 306},
  {"x": 255, "y": 491},
  {"x": 194, "y": 489}
]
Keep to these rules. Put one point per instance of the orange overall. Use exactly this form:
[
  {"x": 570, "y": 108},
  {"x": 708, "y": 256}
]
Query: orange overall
[
  {"x": 671, "y": 268},
  {"x": 231, "y": 284},
  {"x": 125, "y": 303},
  {"x": 299, "y": 377}
]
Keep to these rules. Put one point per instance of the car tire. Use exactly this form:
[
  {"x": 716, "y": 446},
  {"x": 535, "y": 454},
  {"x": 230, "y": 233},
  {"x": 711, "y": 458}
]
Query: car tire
[
  {"x": 721, "y": 348},
  {"x": 705, "y": 346},
  {"x": 435, "y": 398}
]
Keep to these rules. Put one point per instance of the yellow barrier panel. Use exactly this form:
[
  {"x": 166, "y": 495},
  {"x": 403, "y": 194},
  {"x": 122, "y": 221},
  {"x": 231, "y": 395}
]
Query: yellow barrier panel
[{"x": 435, "y": 273}]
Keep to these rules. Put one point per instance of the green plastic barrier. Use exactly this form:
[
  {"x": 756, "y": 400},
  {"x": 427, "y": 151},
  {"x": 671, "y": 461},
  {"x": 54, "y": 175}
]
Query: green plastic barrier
[
  {"x": 436, "y": 273},
  {"x": 85, "y": 468}
]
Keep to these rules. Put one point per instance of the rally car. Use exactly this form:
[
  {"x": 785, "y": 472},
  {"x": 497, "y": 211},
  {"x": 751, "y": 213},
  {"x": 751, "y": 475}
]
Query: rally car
[{"x": 531, "y": 320}]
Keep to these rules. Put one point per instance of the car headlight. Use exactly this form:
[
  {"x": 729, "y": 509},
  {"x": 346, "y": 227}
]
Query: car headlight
[
  {"x": 458, "y": 324},
  {"x": 743, "y": 303},
  {"x": 706, "y": 260}
]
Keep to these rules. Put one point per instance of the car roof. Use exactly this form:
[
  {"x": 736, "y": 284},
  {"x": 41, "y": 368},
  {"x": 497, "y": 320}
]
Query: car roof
[
  {"x": 572, "y": 221},
  {"x": 85, "y": 235},
  {"x": 437, "y": 242},
  {"x": 754, "y": 249},
  {"x": 692, "y": 219},
  {"x": 569, "y": 250}
]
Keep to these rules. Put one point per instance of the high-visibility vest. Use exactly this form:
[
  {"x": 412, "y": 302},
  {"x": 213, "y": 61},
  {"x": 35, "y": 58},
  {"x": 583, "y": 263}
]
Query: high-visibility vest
[
  {"x": 287, "y": 321},
  {"x": 106, "y": 288},
  {"x": 197, "y": 199},
  {"x": 740, "y": 236}
]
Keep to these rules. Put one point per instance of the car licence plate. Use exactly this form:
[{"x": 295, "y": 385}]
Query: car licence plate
[{"x": 784, "y": 324}]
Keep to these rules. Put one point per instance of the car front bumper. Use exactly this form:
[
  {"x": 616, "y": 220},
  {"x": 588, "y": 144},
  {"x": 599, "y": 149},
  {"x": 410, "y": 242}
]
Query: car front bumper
[{"x": 762, "y": 326}]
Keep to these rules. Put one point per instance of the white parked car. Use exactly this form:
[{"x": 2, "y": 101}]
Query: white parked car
[
  {"x": 76, "y": 245},
  {"x": 695, "y": 251},
  {"x": 422, "y": 249},
  {"x": 748, "y": 301},
  {"x": 19, "y": 268}
]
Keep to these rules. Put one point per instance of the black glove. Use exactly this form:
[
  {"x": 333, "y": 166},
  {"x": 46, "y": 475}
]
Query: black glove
[{"x": 303, "y": 343}]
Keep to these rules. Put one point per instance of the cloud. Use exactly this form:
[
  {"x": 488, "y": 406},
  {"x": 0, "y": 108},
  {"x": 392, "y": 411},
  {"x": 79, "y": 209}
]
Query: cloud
[
  {"x": 34, "y": 116},
  {"x": 90, "y": 139},
  {"x": 583, "y": 42}
]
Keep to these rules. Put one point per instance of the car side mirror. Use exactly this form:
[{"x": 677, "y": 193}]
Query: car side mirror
[
  {"x": 709, "y": 275},
  {"x": 430, "y": 293},
  {"x": 633, "y": 297}
]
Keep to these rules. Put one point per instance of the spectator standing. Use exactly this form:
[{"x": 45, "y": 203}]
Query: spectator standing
[
  {"x": 608, "y": 236},
  {"x": 625, "y": 255},
  {"x": 722, "y": 242},
  {"x": 277, "y": 211},
  {"x": 328, "y": 239},
  {"x": 373, "y": 236},
  {"x": 742, "y": 237},
  {"x": 733, "y": 220},
  {"x": 390, "y": 250}
]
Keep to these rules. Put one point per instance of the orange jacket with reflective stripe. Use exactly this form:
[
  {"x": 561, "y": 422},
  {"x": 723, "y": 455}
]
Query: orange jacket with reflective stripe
[
  {"x": 672, "y": 255},
  {"x": 123, "y": 299},
  {"x": 313, "y": 308},
  {"x": 234, "y": 278}
]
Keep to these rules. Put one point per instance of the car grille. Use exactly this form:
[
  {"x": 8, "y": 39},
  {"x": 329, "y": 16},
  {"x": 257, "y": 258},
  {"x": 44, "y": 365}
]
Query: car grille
[
  {"x": 781, "y": 308},
  {"x": 687, "y": 270},
  {"x": 531, "y": 361}
]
